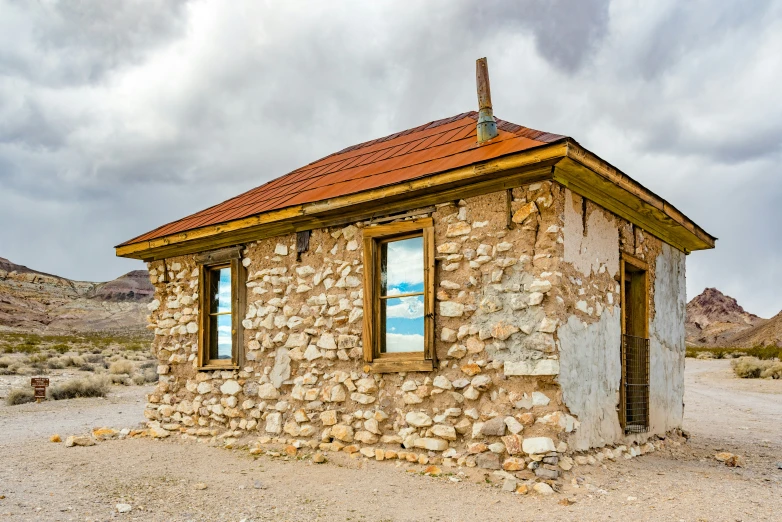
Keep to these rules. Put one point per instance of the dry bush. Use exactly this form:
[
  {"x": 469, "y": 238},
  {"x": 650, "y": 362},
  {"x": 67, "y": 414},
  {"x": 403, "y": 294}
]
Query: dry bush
[
  {"x": 5, "y": 362},
  {"x": 55, "y": 363},
  {"x": 150, "y": 375},
  {"x": 754, "y": 368},
  {"x": 94, "y": 358},
  {"x": 92, "y": 386},
  {"x": 20, "y": 396},
  {"x": 138, "y": 379},
  {"x": 87, "y": 367},
  {"x": 120, "y": 378},
  {"x": 121, "y": 367},
  {"x": 774, "y": 371}
]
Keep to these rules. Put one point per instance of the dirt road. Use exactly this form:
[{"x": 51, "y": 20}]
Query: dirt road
[{"x": 45, "y": 481}]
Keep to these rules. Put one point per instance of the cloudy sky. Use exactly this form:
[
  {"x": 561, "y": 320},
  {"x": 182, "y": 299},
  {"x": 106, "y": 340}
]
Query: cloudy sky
[{"x": 116, "y": 117}]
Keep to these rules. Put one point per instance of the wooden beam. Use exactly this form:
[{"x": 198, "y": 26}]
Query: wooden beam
[{"x": 591, "y": 177}]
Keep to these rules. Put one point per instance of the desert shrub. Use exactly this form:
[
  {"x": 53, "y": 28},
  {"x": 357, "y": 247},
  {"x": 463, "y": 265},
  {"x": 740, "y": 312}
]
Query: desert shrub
[
  {"x": 120, "y": 367},
  {"x": 150, "y": 375},
  {"x": 55, "y": 363},
  {"x": 93, "y": 358},
  {"x": 38, "y": 358},
  {"x": 75, "y": 361},
  {"x": 87, "y": 367},
  {"x": 761, "y": 352},
  {"x": 85, "y": 387},
  {"x": 5, "y": 362},
  {"x": 61, "y": 348},
  {"x": 773, "y": 371},
  {"x": 753, "y": 368},
  {"x": 138, "y": 379},
  {"x": 121, "y": 378},
  {"x": 20, "y": 396}
]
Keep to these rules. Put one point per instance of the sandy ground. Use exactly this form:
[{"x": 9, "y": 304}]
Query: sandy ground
[{"x": 40, "y": 480}]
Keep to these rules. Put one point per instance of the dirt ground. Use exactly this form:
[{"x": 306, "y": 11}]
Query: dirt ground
[{"x": 40, "y": 480}]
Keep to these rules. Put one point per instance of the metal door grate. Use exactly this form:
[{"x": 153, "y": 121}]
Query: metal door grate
[{"x": 636, "y": 382}]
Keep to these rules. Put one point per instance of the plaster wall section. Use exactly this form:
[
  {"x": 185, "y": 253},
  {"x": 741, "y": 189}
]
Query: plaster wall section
[
  {"x": 492, "y": 400},
  {"x": 590, "y": 334},
  {"x": 666, "y": 341}
]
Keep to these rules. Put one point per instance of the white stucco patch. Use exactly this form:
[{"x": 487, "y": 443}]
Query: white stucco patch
[
  {"x": 666, "y": 342},
  {"x": 600, "y": 246},
  {"x": 590, "y": 373}
]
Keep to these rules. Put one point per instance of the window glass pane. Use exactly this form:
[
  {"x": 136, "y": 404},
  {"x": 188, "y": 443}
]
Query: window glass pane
[
  {"x": 221, "y": 342},
  {"x": 220, "y": 290},
  {"x": 402, "y": 266},
  {"x": 402, "y": 324}
]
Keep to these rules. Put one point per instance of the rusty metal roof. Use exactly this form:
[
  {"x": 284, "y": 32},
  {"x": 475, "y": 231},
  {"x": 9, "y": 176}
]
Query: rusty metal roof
[{"x": 424, "y": 150}]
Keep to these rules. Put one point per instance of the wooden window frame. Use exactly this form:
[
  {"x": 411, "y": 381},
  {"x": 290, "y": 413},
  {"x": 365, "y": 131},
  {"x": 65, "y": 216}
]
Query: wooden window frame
[
  {"x": 207, "y": 263},
  {"x": 641, "y": 297},
  {"x": 373, "y": 236}
]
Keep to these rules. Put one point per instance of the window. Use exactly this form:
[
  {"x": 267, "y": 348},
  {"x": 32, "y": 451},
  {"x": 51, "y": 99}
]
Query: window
[
  {"x": 634, "y": 394},
  {"x": 221, "y": 294},
  {"x": 398, "y": 296}
]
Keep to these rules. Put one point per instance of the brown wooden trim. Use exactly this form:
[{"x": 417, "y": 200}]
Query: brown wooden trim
[
  {"x": 218, "y": 256},
  {"x": 238, "y": 310},
  {"x": 502, "y": 173},
  {"x": 372, "y": 237},
  {"x": 369, "y": 301},
  {"x": 396, "y": 366},
  {"x": 429, "y": 287},
  {"x": 634, "y": 261},
  {"x": 586, "y": 174}
]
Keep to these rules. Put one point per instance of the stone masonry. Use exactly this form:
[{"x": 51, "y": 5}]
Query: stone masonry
[{"x": 504, "y": 297}]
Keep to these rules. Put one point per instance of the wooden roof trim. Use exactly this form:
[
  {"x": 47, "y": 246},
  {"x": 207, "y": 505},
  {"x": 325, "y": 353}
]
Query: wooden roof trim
[
  {"x": 185, "y": 242},
  {"x": 587, "y": 174}
]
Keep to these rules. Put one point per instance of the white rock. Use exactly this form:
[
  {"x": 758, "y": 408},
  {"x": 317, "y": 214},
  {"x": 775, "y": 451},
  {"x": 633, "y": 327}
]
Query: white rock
[
  {"x": 451, "y": 309},
  {"x": 537, "y": 445},
  {"x": 281, "y": 250},
  {"x": 442, "y": 382},
  {"x": 535, "y": 298},
  {"x": 274, "y": 423},
  {"x": 418, "y": 419},
  {"x": 548, "y": 325},
  {"x": 123, "y": 508},
  {"x": 538, "y": 367},
  {"x": 540, "y": 399},
  {"x": 513, "y": 425},
  {"x": 448, "y": 335},
  {"x": 327, "y": 342},
  {"x": 230, "y": 387},
  {"x": 268, "y": 391},
  {"x": 444, "y": 431}
]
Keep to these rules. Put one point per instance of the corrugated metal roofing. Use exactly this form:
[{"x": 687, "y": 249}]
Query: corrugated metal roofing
[{"x": 424, "y": 150}]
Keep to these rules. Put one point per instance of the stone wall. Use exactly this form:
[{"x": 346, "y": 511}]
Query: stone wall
[{"x": 507, "y": 298}]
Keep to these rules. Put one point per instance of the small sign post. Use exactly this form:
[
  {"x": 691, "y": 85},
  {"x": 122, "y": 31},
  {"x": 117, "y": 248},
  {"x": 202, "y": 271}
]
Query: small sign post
[{"x": 39, "y": 384}]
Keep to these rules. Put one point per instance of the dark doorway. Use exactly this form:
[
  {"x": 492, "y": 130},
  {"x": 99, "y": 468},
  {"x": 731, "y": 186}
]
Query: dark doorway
[{"x": 635, "y": 346}]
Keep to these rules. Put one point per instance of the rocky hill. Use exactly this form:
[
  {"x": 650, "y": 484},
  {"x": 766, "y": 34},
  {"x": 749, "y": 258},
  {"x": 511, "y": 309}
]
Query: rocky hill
[
  {"x": 36, "y": 302},
  {"x": 766, "y": 333},
  {"x": 715, "y": 319}
]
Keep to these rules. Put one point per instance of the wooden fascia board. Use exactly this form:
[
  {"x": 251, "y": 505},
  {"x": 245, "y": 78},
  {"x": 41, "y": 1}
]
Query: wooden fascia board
[
  {"x": 480, "y": 178},
  {"x": 591, "y": 177}
]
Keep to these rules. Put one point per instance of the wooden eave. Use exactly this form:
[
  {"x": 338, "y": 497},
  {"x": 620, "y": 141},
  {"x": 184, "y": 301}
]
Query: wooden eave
[{"x": 563, "y": 161}]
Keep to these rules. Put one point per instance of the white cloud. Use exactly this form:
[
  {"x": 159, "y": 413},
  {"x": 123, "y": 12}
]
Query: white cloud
[
  {"x": 410, "y": 308},
  {"x": 396, "y": 343}
]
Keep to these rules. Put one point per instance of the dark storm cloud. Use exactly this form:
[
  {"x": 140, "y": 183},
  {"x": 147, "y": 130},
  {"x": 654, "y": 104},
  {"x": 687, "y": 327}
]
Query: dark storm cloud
[{"x": 118, "y": 117}]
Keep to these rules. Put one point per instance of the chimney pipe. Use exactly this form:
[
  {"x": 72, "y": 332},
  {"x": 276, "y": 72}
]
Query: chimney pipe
[{"x": 487, "y": 126}]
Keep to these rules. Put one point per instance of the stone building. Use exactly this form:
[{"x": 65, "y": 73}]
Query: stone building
[{"x": 469, "y": 289}]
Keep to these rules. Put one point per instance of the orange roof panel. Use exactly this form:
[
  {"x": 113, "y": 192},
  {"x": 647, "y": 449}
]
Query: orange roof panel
[{"x": 428, "y": 149}]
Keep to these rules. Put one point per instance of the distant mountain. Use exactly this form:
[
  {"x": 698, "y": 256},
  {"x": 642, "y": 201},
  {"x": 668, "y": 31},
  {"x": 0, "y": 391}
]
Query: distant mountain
[
  {"x": 714, "y": 319},
  {"x": 766, "y": 333},
  {"x": 33, "y": 301}
]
